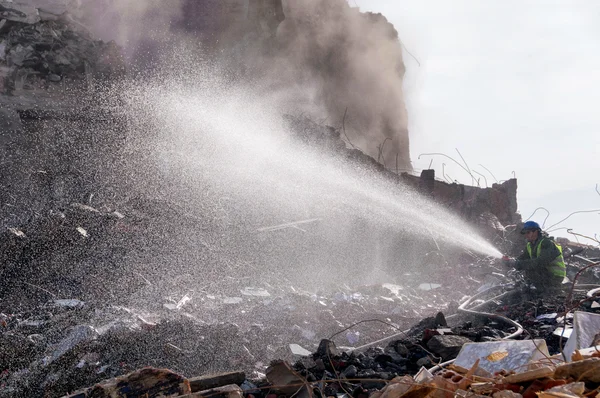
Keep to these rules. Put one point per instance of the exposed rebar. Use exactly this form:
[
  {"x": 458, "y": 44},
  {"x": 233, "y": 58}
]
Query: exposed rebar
[{"x": 572, "y": 214}]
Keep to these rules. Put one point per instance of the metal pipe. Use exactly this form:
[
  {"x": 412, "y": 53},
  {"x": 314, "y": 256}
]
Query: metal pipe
[
  {"x": 593, "y": 292},
  {"x": 405, "y": 332},
  {"x": 587, "y": 260},
  {"x": 472, "y": 311},
  {"x": 463, "y": 308}
]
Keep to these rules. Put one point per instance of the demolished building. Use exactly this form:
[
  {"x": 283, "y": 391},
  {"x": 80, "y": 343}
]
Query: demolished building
[{"x": 96, "y": 281}]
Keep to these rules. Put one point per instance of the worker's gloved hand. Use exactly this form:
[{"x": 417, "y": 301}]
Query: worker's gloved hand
[{"x": 508, "y": 261}]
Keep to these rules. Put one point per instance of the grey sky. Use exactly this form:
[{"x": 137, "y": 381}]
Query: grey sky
[{"x": 514, "y": 85}]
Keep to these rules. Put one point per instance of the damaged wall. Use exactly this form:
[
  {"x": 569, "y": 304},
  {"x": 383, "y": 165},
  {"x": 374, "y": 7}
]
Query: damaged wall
[{"x": 490, "y": 209}]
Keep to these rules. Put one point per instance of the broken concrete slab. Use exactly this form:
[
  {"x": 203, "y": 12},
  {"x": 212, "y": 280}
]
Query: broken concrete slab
[
  {"x": 207, "y": 382},
  {"x": 576, "y": 389},
  {"x": 507, "y": 355},
  {"x": 297, "y": 349},
  {"x": 228, "y": 391},
  {"x": 79, "y": 334},
  {"x": 19, "y": 12}
]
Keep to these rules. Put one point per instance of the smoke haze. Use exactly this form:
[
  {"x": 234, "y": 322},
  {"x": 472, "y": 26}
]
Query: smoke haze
[{"x": 322, "y": 58}]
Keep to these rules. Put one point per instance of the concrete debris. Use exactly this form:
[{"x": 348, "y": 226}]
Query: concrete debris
[
  {"x": 495, "y": 356},
  {"x": 286, "y": 380},
  {"x": 299, "y": 350},
  {"x": 68, "y": 343},
  {"x": 447, "y": 347},
  {"x": 208, "y": 382},
  {"x": 61, "y": 352},
  {"x": 228, "y": 391},
  {"x": 147, "y": 382},
  {"x": 16, "y": 12},
  {"x": 43, "y": 46},
  {"x": 69, "y": 303},
  {"x": 86, "y": 299}
]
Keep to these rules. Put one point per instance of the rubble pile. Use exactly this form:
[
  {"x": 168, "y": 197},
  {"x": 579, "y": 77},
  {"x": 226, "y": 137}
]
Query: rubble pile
[
  {"x": 67, "y": 344},
  {"x": 97, "y": 287},
  {"x": 107, "y": 316},
  {"x": 41, "y": 46},
  {"x": 532, "y": 372}
]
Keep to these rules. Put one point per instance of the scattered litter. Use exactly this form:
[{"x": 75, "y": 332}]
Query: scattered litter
[
  {"x": 586, "y": 329},
  {"x": 17, "y": 232},
  {"x": 177, "y": 306},
  {"x": 69, "y": 303},
  {"x": 299, "y": 350},
  {"x": 32, "y": 323},
  {"x": 353, "y": 337},
  {"x": 429, "y": 286},
  {"x": 232, "y": 300},
  {"x": 547, "y": 316},
  {"x": 563, "y": 332},
  {"x": 255, "y": 291},
  {"x": 423, "y": 375}
]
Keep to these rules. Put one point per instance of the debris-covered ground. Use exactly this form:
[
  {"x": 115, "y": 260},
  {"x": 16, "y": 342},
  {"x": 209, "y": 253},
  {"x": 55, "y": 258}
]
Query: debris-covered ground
[
  {"x": 56, "y": 349},
  {"x": 103, "y": 290},
  {"x": 57, "y": 337}
]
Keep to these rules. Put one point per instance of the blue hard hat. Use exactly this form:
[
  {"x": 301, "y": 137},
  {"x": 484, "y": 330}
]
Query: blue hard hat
[{"x": 530, "y": 226}]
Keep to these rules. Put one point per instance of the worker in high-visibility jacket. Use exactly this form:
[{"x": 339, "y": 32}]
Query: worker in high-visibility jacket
[{"x": 542, "y": 261}]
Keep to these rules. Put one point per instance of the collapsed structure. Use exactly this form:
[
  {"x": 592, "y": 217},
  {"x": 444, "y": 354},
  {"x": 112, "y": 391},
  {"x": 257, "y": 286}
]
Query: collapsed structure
[{"x": 85, "y": 293}]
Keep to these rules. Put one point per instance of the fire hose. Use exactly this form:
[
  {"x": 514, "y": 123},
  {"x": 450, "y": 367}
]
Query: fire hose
[{"x": 463, "y": 308}]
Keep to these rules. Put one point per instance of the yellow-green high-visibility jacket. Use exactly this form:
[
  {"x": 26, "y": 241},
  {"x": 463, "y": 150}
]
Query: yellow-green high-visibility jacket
[{"x": 552, "y": 259}]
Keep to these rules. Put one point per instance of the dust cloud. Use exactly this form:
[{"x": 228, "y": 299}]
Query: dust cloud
[
  {"x": 323, "y": 59},
  {"x": 349, "y": 60}
]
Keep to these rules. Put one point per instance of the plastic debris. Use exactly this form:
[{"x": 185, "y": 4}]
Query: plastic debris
[
  {"x": 299, "y": 350},
  {"x": 547, "y": 316},
  {"x": 563, "y": 332},
  {"x": 586, "y": 326},
  {"x": 353, "y": 337}
]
